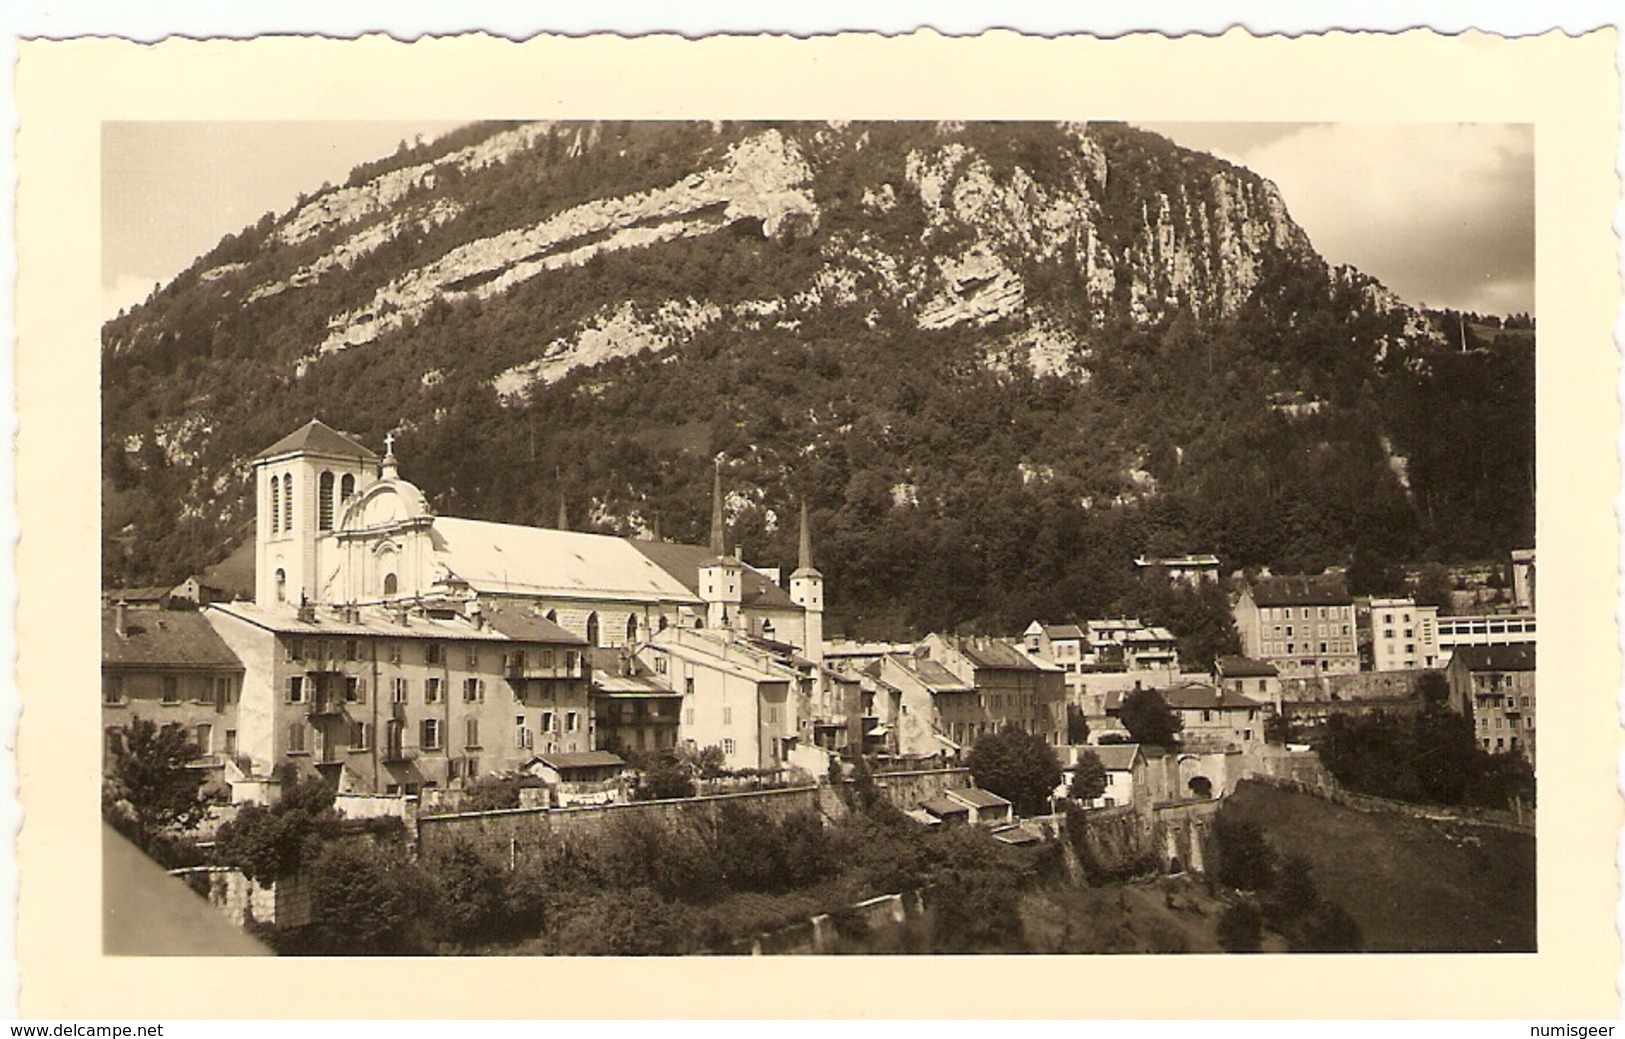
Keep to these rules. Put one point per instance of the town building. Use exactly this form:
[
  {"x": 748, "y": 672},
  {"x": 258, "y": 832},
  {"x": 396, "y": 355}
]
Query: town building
[
  {"x": 737, "y": 695},
  {"x": 1012, "y": 689},
  {"x": 633, "y": 709},
  {"x": 1125, "y": 644},
  {"x": 170, "y": 667},
  {"x": 1193, "y": 570},
  {"x": 1523, "y": 579},
  {"x": 1124, "y": 766},
  {"x": 1215, "y": 718},
  {"x": 924, "y": 708},
  {"x": 1257, "y": 679},
  {"x": 1495, "y": 687},
  {"x": 402, "y": 699},
  {"x": 1495, "y": 629},
  {"x": 1404, "y": 635},
  {"x": 1302, "y": 625}
]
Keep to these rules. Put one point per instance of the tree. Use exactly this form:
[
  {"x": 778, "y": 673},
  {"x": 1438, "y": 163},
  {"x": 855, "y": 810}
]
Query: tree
[
  {"x": 1433, "y": 688},
  {"x": 1241, "y": 928},
  {"x": 1433, "y": 587},
  {"x": 1293, "y": 894},
  {"x": 366, "y": 901},
  {"x": 1246, "y": 860},
  {"x": 1088, "y": 777},
  {"x": 1018, "y": 766},
  {"x": 668, "y": 779},
  {"x": 1148, "y": 718},
  {"x": 148, "y": 787},
  {"x": 1077, "y": 726}
]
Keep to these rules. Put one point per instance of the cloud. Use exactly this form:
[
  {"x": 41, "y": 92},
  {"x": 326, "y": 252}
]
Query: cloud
[
  {"x": 125, "y": 291},
  {"x": 1442, "y": 214}
]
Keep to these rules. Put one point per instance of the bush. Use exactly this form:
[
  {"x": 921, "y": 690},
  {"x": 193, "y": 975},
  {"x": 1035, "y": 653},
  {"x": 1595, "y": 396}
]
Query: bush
[
  {"x": 366, "y": 901},
  {"x": 626, "y": 923},
  {"x": 1246, "y": 860},
  {"x": 1241, "y": 928}
]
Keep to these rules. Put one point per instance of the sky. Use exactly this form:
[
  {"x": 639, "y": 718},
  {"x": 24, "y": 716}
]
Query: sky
[{"x": 1443, "y": 214}]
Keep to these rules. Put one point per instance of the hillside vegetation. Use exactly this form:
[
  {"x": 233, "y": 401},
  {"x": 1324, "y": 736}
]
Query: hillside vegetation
[{"x": 997, "y": 360}]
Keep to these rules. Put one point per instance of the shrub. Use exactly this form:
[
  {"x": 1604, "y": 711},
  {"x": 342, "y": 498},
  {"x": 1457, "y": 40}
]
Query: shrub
[
  {"x": 1241, "y": 928},
  {"x": 1246, "y": 860}
]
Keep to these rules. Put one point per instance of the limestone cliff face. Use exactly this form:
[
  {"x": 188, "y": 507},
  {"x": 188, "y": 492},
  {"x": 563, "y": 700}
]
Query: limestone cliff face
[{"x": 492, "y": 269}]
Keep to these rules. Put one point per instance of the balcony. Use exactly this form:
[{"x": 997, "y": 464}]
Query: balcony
[
  {"x": 397, "y": 754},
  {"x": 527, "y": 669},
  {"x": 326, "y": 707}
]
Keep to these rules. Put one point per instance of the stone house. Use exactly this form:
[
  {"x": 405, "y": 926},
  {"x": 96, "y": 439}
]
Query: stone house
[
  {"x": 1303, "y": 625},
  {"x": 1495, "y": 687}
]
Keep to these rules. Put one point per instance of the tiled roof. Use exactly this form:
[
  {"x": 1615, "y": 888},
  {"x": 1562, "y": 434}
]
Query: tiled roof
[
  {"x": 505, "y": 558},
  {"x": 1063, "y": 631},
  {"x": 683, "y": 563},
  {"x": 131, "y": 596},
  {"x": 318, "y": 437},
  {"x": 1496, "y": 658},
  {"x": 1118, "y": 757},
  {"x": 1324, "y": 590},
  {"x": 164, "y": 638},
  {"x": 977, "y": 798},
  {"x": 1245, "y": 667},
  {"x": 937, "y": 678},
  {"x": 995, "y": 654},
  {"x": 525, "y": 625},
  {"x": 284, "y": 619},
  {"x": 580, "y": 759},
  {"x": 941, "y": 805},
  {"x": 1198, "y": 697}
]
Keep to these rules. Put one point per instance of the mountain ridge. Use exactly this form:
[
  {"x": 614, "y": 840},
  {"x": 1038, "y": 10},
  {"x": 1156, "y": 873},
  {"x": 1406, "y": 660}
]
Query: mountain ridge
[{"x": 826, "y": 305}]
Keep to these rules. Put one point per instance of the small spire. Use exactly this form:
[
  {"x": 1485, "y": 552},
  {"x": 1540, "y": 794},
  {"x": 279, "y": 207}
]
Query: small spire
[
  {"x": 804, "y": 557},
  {"x": 390, "y": 468},
  {"x": 719, "y": 546}
]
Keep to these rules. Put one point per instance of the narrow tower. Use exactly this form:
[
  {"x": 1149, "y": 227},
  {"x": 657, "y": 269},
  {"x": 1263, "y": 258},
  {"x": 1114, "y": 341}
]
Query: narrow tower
[
  {"x": 302, "y": 483},
  {"x": 807, "y": 592},
  {"x": 721, "y": 577}
]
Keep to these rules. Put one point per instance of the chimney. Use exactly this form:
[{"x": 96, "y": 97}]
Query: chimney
[{"x": 121, "y": 619}]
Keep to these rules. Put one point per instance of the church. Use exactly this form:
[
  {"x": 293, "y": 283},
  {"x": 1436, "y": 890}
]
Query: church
[{"x": 338, "y": 525}]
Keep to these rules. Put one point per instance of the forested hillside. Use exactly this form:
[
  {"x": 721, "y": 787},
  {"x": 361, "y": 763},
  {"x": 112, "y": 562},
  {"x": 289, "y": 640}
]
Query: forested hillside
[{"x": 997, "y": 360}]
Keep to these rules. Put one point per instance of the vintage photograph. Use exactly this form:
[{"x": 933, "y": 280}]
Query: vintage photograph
[{"x": 745, "y": 538}]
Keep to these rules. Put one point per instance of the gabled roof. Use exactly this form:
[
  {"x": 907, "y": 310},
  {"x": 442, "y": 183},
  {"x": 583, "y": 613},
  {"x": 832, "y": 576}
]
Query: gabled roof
[
  {"x": 580, "y": 759},
  {"x": 132, "y": 596},
  {"x": 1520, "y": 657},
  {"x": 1205, "y": 697},
  {"x": 1118, "y": 757},
  {"x": 1324, "y": 590},
  {"x": 525, "y": 625},
  {"x": 940, "y": 806},
  {"x": 317, "y": 437},
  {"x": 1244, "y": 667},
  {"x": 164, "y": 638},
  {"x": 977, "y": 798},
  {"x": 997, "y": 655},
  {"x": 1063, "y": 631},
  {"x": 505, "y": 558},
  {"x": 683, "y": 562}
]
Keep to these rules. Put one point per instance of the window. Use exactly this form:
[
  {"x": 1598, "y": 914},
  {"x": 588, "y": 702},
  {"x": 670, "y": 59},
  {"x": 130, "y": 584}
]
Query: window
[
  {"x": 660, "y": 664},
  {"x": 352, "y": 649},
  {"x": 205, "y": 739},
  {"x": 727, "y": 716},
  {"x": 688, "y": 686},
  {"x": 430, "y": 735},
  {"x": 281, "y": 585},
  {"x": 432, "y": 653},
  {"x": 592, "y": 629},
  {"x": 473, "y": 733},
  {"x": 571, "y": 721},
  {"x": 324, "y": 502},
  {"x": 728, "y": 746},
  {"x": 473, "y": 690},
  {"x": 391, "y": 585},
  {"x": 347, "y": 487},
  {"x": 231, "y": 743},
  {"x": 360, "y": 735},
  {"x": 570, "y": 660},
  {"x": 354, "y": 691},
  {"x": 394, "y": 652},
  {"x": 296, "y": 738},
  {"x": 548, "y": 722},
  {"x": 113, "y": 690},
  {"x": 172, "y": 693},
  {"x": 1207, "y": 716},
  {"x": 296, "y": 649},
  {"x": 431, "y": 690},
  {"x": 296, "y": 689},
  {"x": 222, "y": 692},
  {"x": 1289, "y": 631},
  {"x": 276, "y": 505},
  {"x": 473, "y": 657},
  {"x": 688, "y": 716},
  {"x": 397, "y": 694},
  {"x": 287, "y": 503}
]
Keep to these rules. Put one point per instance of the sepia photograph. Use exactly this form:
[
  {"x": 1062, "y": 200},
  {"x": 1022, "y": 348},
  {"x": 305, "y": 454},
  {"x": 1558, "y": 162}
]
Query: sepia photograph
[
  {"x": 963, "y": 528},
  {"x": 745, "y": 538}
]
